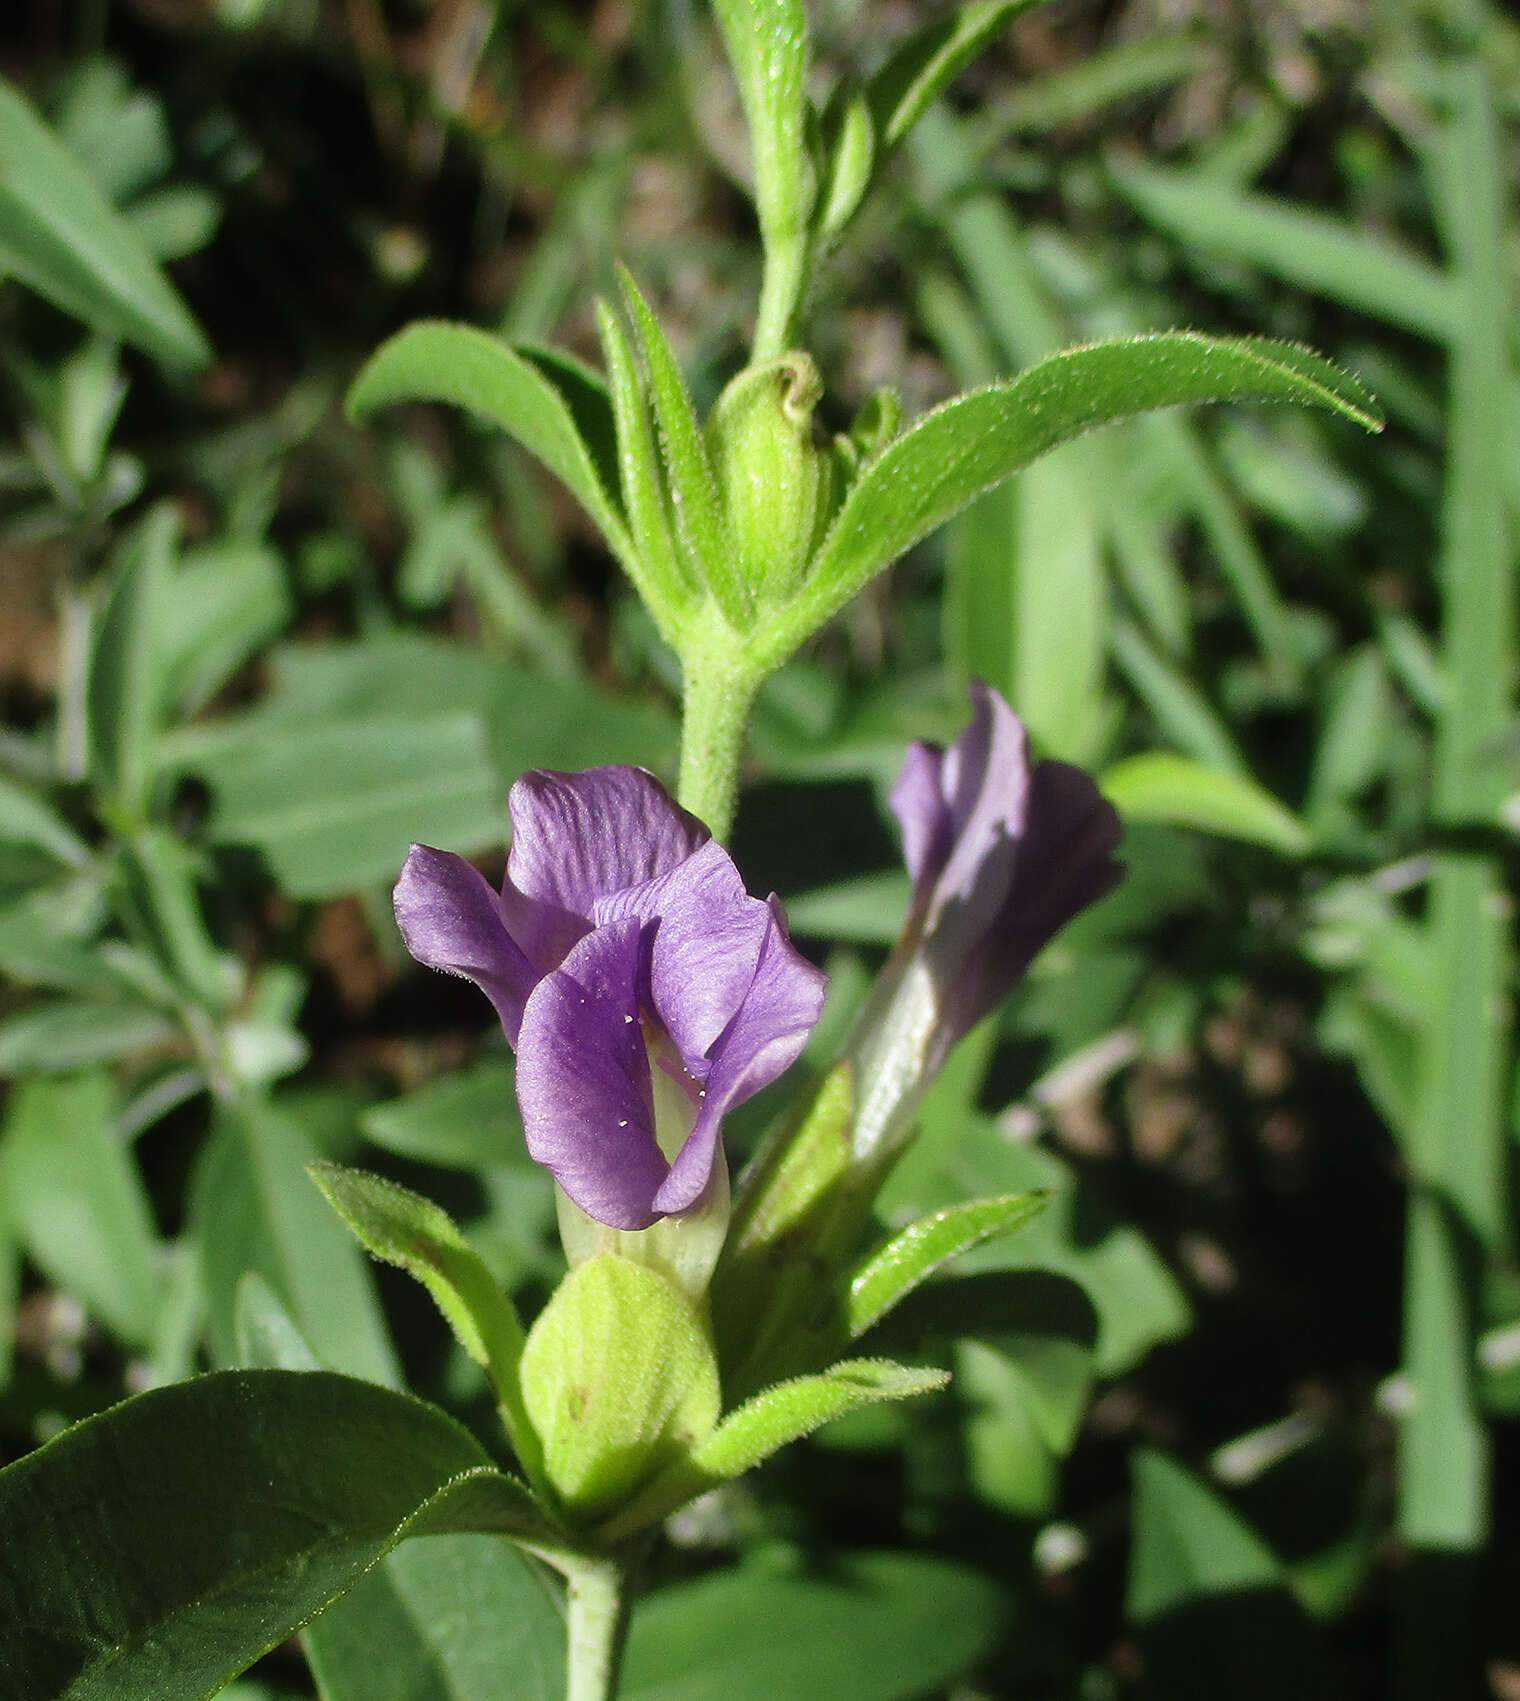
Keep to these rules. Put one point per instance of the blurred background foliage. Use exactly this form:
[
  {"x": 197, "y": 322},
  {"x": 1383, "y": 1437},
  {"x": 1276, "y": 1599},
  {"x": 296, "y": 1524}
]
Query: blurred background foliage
[{"x": 1241, "y": 1408}]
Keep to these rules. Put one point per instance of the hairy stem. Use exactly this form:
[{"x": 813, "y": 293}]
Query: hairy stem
[
  {"x": 720, "y": 691},
  {"x": 600, "y": 1600}
]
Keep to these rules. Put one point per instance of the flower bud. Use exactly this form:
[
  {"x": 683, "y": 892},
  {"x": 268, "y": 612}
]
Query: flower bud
[
  {"x": 778, "y": 487},
  {"x": 620, "y": 1382}
]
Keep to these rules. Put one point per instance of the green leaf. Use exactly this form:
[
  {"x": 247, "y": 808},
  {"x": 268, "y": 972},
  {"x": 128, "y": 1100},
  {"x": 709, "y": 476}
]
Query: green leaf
[
  {"x": 267, "y": 1336},
  {"x": 124, "y": 696},
  {"x": 228, "y": 600},
  {"x": 867, "y": 910},
  {"x": 155, "y": 1551},
  {"x": 438, "y": 362},
  {"x": 913, "y": 1255},
  {"x": 790, "y": 1410},
  {"x": 688, "y": 467},
  {"x": 1175, "y": 789},
  {"x": 922, "y": 68},
  {"x": 969, "y": 444},
  {"x": 1324, "y": 254},
  {"x": 661, "y": 577},
  {"x": 404, "y": 1229},
  {"x": 782, "y": 1413},
  {"x": 1187, "y": 1542},
  {"x": 1011, "y": 1463},
  {"x": 619, "y": 1381},
  {"x": 60, "y": 235},
  {"x": 454, "y": 1618},
  {"x": 67, "y": 1033},
  {"x": 872, "y": 1627},
  {"x": 253, "y": 1207},
  {"x": 852, "y": 156},
  {"x": 76, "y": 1202},
  {"x": 25, "y": 819},
  {"x": 10, "y": 1292},
  {"x": 466, "y": 1119},
  {"x": 335, "y": 807}
]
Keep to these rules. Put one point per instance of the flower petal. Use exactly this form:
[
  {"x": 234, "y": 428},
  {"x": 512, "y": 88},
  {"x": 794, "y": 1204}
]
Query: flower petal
[
  {"x": 451, "y": 920},
  {"x": 1065, "y": 862},
  {"x": 583, "y": 1080},
  {"x": 922, "y": 812},
  {"x": 579, "y": 837},
  {"x": 706, "y": 944},
  {"x": 764, "y": 1039}
]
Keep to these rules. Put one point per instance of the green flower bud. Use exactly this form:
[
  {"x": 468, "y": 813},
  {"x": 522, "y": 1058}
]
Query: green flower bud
[
  {"x": 620, "y": 1382},
  {"x": 779, "y": 490}
]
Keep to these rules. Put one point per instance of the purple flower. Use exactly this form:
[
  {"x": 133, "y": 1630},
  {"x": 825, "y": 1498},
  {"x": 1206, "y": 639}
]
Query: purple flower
[
  {"x": 1002, "y": 855},
  {"x": 644, "y": 991}
]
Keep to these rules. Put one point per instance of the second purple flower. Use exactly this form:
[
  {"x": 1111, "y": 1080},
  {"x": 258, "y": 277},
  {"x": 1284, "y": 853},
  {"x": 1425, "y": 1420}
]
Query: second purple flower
[{"x": 645, "y": 992}]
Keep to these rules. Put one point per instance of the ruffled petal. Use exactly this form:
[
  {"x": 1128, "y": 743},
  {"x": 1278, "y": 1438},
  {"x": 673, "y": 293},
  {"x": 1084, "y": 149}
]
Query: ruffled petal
[
  {"x": 583, "y": 1080},
  {"x": 763, "y": 1040},
  {"x": 707, "y": 937},
  {"x": 451, "y": 920},
  {"x": 579, "y": 837}
]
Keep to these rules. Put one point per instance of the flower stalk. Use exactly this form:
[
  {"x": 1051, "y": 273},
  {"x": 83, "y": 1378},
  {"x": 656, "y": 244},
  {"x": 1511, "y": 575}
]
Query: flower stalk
[
  {"x": 719, "y": 694},
  {"x": 599, "y": 1604}
]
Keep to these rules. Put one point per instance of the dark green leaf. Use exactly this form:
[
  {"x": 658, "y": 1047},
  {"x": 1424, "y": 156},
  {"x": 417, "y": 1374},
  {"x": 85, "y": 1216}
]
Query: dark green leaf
[
  {"x": 454, "y": 1618},
  {"x": 153, "y": 1552},
  {"x": 61, "y": 236},
  {"x": 873, "y": 1627}
]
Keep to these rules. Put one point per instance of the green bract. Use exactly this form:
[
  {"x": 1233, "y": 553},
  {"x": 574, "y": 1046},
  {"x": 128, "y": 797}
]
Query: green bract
[{"x": 620, "y": 1382}]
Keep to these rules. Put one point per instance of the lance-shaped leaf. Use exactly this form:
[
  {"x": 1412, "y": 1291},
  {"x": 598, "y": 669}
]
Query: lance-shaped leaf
[
  {"x": 969, "y": 444},
  {"x": 123, "y": 699},
  {"x": 403, "y": 1228},
  {"x": 438, "y": 362},
  {"x": 661, "y": 579},
  {"x": 693, "y": 484},
  {"x": 1162, "y": 786},
  {"x": 923, "y": 67},
  {"x": 60, "y": 235},
  {"x": 153, "y": 1552},
  {"x": 784, "y": 1412},
  {"x": 920, "y": 1249},
  {"x": 851, "y": 159}
]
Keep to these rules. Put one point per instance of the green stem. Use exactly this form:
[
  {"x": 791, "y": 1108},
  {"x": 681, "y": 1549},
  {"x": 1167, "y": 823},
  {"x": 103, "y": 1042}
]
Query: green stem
[
  {"x": 600, "y": 1600},
  {"x": 720, "y": 692},
  {"x": 781, "y": 289}
]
